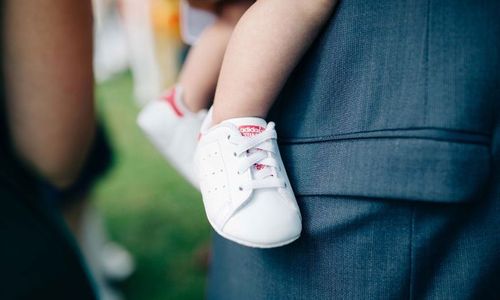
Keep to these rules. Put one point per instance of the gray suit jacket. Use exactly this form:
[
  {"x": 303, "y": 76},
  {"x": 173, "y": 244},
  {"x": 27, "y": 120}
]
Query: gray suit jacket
[{"x": 390, "y": 131}]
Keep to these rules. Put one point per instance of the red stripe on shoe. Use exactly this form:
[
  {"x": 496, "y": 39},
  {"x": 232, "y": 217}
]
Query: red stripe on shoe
[{"x": 170, "y": 98}]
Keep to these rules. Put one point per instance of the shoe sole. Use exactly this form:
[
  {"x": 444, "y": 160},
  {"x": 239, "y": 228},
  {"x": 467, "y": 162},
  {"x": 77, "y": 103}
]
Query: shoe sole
[{"x": 250, "y": 244}]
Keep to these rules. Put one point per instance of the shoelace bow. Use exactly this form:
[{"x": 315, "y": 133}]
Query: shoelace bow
[{"x": 259, "y": 151}]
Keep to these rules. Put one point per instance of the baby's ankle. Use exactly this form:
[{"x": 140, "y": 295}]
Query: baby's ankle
[{"x": 221, "y": 116}]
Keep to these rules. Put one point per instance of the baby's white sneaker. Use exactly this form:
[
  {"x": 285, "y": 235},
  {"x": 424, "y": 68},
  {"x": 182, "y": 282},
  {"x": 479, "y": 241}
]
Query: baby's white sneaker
[
  {"x": 173, "y": 130},
  {"x": 245, "y": 188}
]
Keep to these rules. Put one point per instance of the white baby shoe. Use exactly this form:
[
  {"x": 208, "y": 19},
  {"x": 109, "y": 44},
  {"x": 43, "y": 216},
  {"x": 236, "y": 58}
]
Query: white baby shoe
[
  {"x": 173, "y": 130},
  {"x": 245, "y": 188}
]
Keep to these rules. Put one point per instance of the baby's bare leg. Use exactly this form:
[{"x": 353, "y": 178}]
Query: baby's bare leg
[
  {"x": 202, "y": 67},
  {"x": 266, "y": 45}
]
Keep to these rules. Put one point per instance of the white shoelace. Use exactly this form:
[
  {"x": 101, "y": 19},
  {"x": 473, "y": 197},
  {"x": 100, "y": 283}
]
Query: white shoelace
[{"x": 259, "y": 151}]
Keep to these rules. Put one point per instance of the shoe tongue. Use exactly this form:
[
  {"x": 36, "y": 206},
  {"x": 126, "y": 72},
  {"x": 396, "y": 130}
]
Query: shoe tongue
[{"x": 249, "y": 126}]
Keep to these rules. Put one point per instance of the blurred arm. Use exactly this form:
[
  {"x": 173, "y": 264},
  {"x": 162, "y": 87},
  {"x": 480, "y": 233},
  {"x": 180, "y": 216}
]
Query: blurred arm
[{"x": 49, "y": 83}]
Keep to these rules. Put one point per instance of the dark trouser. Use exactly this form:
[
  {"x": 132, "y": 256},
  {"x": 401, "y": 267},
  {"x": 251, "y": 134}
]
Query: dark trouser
[
  {"x": 370, "y": 249},
  {"x": 37, "y": 257}
]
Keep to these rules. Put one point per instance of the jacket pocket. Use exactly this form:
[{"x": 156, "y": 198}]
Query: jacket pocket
[{"x": 416, "y": 165}]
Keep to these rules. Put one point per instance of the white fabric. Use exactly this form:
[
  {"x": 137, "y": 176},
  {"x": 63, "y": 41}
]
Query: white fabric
[{"x": 193, "y": 22}]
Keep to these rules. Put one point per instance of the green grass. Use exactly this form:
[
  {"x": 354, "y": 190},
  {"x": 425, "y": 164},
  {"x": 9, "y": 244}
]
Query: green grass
[{"x": 148, "y": 208}]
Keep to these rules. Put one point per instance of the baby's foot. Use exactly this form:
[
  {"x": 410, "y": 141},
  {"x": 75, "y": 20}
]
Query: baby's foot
[
  {"x": 173, "y": 130},
  {"x": 245, "y": 188}
]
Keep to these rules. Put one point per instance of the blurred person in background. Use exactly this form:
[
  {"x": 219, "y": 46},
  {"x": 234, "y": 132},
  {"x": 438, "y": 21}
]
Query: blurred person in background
[
  {"x": 48, "y": 125},
  {"x": 48, "y": 129},
  {"x": 141, "y": 44}
]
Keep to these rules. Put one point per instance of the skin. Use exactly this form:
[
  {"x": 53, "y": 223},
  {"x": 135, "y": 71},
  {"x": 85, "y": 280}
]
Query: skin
[
  {"x": 199, "y": 75},
  {"x": 47, "y": 63},
  {"x": 265, "y": 47}
]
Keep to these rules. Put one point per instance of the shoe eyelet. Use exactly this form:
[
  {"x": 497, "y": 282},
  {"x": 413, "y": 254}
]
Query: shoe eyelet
[
  {"x": 229, "y": 137},
  {"x": 286, "y": 185},
  {"x": 240, "y": 188},
  {"x": 235, "y": 154}
]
